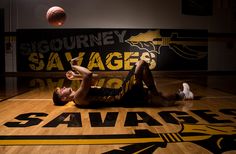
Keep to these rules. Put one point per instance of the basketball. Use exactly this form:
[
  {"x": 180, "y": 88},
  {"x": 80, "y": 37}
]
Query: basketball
[{"x": 56, "y": 16}]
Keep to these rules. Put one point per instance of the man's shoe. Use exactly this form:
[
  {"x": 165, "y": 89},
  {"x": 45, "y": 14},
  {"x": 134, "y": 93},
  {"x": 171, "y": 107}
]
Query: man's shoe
[{"x": 186, "y": 94}]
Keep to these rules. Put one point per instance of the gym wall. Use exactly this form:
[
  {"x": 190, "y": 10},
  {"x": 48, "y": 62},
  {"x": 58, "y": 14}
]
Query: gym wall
[{"x": 134, "y": 14}]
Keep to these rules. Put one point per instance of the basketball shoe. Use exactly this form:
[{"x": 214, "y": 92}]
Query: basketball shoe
[{"x": 186, "y": 93}]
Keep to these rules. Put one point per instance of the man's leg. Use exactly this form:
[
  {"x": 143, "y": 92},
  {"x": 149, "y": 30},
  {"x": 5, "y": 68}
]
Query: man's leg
[
  {"x": 131, "y": 91},
  {"x": 143, "y": 73}
]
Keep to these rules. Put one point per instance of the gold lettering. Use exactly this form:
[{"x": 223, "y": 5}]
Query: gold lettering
[
  {"x": 117, "y": 62},
  {"x": 95, "y": 60},
  {"x": 114, "y": 83},
  {"x": 36, "y": 59},
  {"x": 128, "y": 60},
  {"x": 39, "y": 83},
  {"x": 101, "y": 82},
  {"x": 54, "y": 62}
]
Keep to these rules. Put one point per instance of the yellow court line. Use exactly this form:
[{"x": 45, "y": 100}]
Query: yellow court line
[
  {"x": 79, "y": 141},
  {"x": 92, "y": 141}
]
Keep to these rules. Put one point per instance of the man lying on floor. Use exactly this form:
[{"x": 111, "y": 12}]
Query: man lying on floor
[{"x": 131, "y": 93}]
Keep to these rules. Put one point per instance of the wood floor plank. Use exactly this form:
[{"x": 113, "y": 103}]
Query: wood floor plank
[{"x": 24, "y": 119}]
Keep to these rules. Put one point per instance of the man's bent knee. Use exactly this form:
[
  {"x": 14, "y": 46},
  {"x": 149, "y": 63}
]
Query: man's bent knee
[{"x": 141, "y": 65}]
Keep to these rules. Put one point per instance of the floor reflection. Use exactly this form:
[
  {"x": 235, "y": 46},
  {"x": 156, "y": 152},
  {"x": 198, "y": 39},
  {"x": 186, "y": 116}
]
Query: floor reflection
[{"x": 12, "y": 85}]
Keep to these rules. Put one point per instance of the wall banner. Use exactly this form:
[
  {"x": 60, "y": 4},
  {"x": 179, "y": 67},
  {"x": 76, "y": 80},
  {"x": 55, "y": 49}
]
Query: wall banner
[{"x": 49, "y": 50}]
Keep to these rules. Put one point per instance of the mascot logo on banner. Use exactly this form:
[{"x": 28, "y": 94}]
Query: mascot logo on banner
[{"x": 152, "y": 42}]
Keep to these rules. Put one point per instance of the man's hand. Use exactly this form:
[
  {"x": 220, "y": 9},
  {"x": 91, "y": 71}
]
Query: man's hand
[
  {"x": 74, "y": 61},
  {"x": 71, "y": 75}
]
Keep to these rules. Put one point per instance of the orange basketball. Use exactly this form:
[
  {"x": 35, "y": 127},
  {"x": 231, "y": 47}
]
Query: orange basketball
[{"x": 56, "y": 16}]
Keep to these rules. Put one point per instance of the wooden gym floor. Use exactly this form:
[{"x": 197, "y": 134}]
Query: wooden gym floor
[{"x": 30, "y": 123}]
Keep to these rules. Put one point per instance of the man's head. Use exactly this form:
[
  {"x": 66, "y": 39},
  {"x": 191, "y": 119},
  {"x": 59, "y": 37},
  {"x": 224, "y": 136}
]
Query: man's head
[{"x": 62, "y": 96}]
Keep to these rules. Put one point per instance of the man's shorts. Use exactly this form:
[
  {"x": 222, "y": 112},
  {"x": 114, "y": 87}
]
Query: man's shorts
[{"x": 131, "y": 92}]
